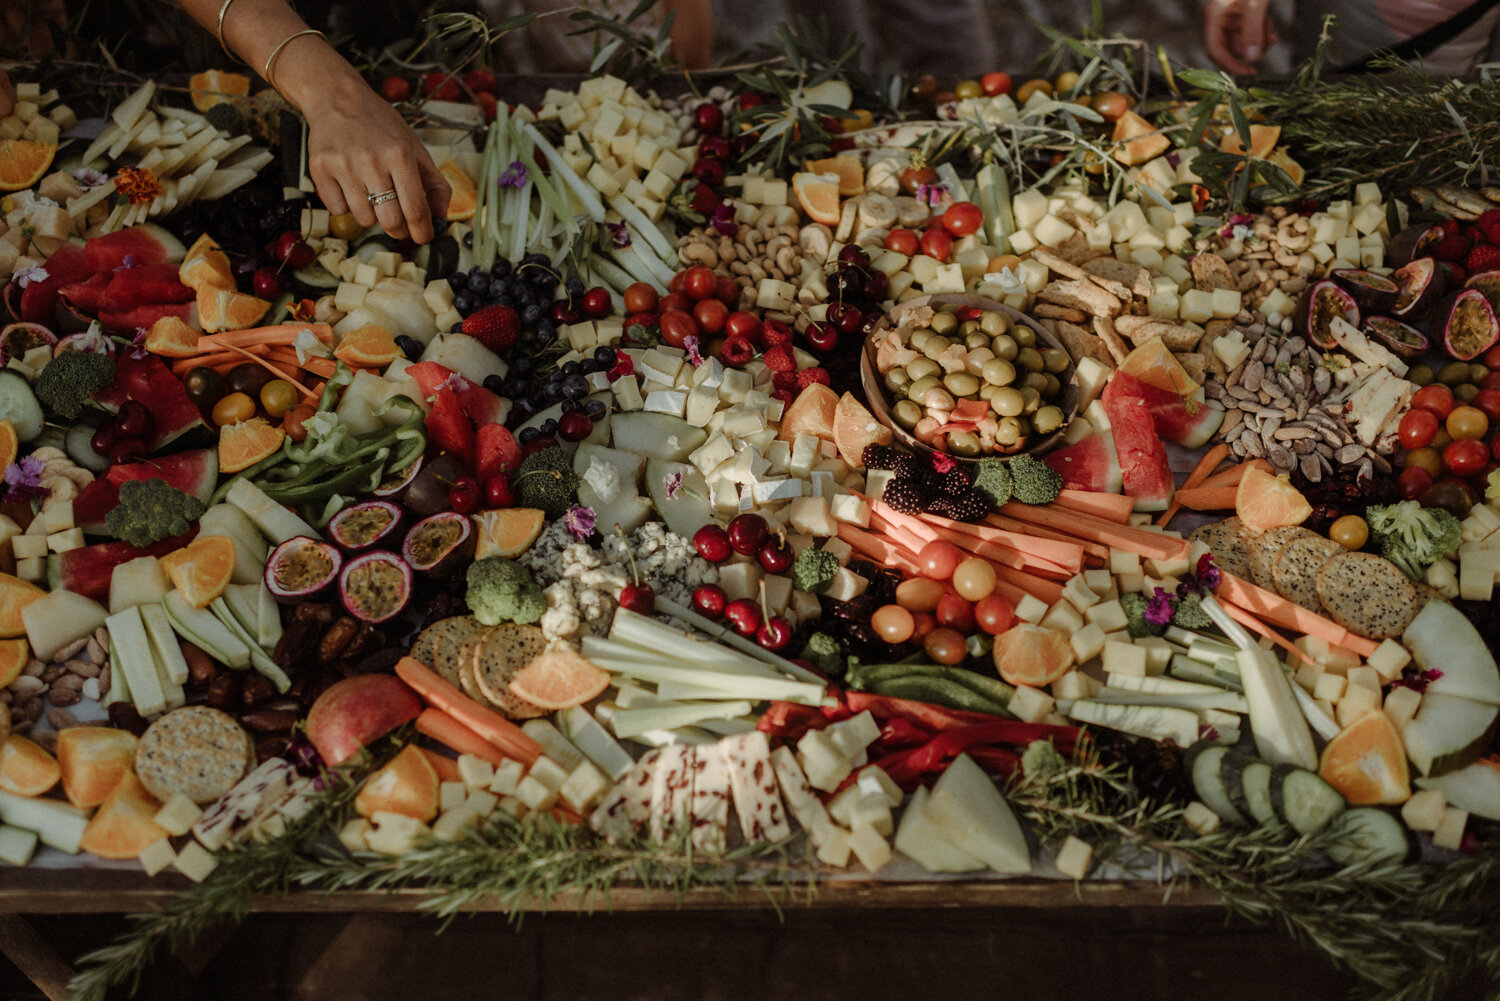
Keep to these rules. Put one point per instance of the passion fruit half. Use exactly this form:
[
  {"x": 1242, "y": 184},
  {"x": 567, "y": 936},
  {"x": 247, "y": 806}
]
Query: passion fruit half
[
  {"x": 375, "y": 586},
  {"x": 1469, "y": 325},
  {"x": 18, "y": 338},
  {"x": 1403, "y": 339},
  {"x": 369, "y": 523},
  {"x": 1373, "y": 293},
  {"x": 1413, "y": 242},
  {"x": 1487, "y": 282},
  {"x": 302, "y": 568},
  {"x": 1317, "y": 308},
  {"x": 441, "y": 544},
  {"x": 1423, "y": 282},
  {"x": 393, "y": 487}
]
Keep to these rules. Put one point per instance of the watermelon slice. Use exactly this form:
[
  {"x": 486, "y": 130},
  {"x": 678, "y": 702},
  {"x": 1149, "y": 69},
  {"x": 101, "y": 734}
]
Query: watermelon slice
[
  {"x": 1188, "y": 420},
  {"x": 147, "y": 285},
  {"x": 478, "y": 404},
  {"x": 128, "y": 322},
  {"x": 448, "y": 427},
  {"x": 87, "y": 571},
  {"x": 39, "y": 300},
  {"x": 146, "y": 244},
  {"x": 145, "y": 377},
  {"x": 194, "y": 472},
  {"x": 496, "y": 451},
  {"x": 1143, "y": 458},
  {"x": 1090, "y": 464},
  {"x": 90, "y": 296}
]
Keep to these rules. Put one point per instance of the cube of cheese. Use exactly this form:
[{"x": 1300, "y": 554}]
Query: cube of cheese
[
  {"x": 850, "y": 508},
  {"x": 813, "y": 516},
  {"x": 1074, "y": 857},
  {"x": 1425, "y": 810},
  {"x": 1389, "y": 659},
  {"x": 1450, "y": 830},
  {"x": 1029, "y": 704},
  {"x": 1401, "y": 705},
  {"x": 1109, "y": 615},
  {"x": 1200, "y": 819},
  {"x": 195, "y": 862},
  {"x": 157, "y": 856},
  {"x": 1124, "y": 658},
  {"x": 1087, "y": 642},
  {"x": 846, "y": 585},
  {"x": 178, "y": 815}
]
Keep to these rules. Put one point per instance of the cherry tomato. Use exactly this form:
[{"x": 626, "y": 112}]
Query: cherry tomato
[
  {"x": 1350, "y": 531},
  {"x": 974, "y": 578},
  {"x": 995, "y": 84},
  {"x": 677, "y": 326},
  {"x": 963, "y": 218},
  {"x": 727, "y": 292},
  {"x": 1466, "y": 422},
  {"x": 1024, "y": 92},
  {"x": 395, "y": 89},
  {"x": 1417, "y": 428},
  {"x": 710, "y": 314},
  {"x": 1413, "y": 481},
  {"x": 674, "y": 300},
  {"x": 678, "y": 282},
  {"x": 1453, "y": 496},
  {"x": 1436, "y": 397},
  {"x": 1427, "y": 458},
  {"x": 902, "y": 241},
  {"x": 1111, "y": 105},
  {"x": 913, "y": 178},
  {"x": 995, "y": 614},
  {"x": 1491, "y": 358},
  {"x": 1495, "y": 447},
  {"x": 487, "y": 103},
  {"x": 1488, "y": 400},
  {"x": 937, "y": 243},
  {"x": 945, "y": 646},
  {"x": 641, "y": 298},
  {"x": 1442, "y": 439},
  {"x": 742, "y": 324},
  {"x": 345, "y": 226},
  {"x": 295, "y": 420},
  {"x": 967, "y": 89},
  {"x": 701, "y": 282},
  {"x": 919, "y": 594},
  {"x": 923, "y": 623},
  {"x": 938, "y": 559},
  {"x": 893, "y": 623},
  {"x": 1066, "y": 82},
  {"x": 955, "y": 612},
  {"x": 233, "y": 408},
  {"x": 1465, "y": 457},
  {"x": 278, "y": 396}
]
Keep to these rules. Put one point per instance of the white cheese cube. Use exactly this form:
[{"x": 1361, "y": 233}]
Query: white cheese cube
[
  {"x": 195, "y": 862},
  {"x": 1063, "y": 618},
  {"x": 850, "y": 508},
  {"x": 846, "y": 585},
  {"x": 1074, "y": 857},
  {"x": 1124, "y": 658},
  {"x": 1087, "y": 642},
  {"x": 178, "y": 815},
  {"x": 1425, "y": 810},
  {"x": 1029, "y": 704},
  {"x": 1450, "y": 830},
  {"x": 1109, "y": 616},
  {"x": 813, "y": 516},
  {"x": 872, "y": 850},
  {"x": 1389, "y": 659}
]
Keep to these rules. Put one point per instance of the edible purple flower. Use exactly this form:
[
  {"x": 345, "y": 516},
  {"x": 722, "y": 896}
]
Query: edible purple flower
[
  {"x": 515, "y": 175},
  {"x": 1417, "y": 680},
  {"x": 130, "y": 261},
  {"x": 932, "y": 194},
  {"x": 88, "y": 178},
  {"x": 1173, "y": 158},
  {"x": 23, "y": 480},
  {"x": 1159, "y": 608},
  {"x": 579, "y": 521},
  {"x": 672, "y": 482},
  {"x": 692, "y": 345},
  {"x": 1237, "y": 226},
  {"x": 26, "y": 276},
  {"x": 456, "y": 382},
  {"x": 723, "y": 220},
  {"x": 619, "y": 235},
  {"x": 1204, "y": 578}
]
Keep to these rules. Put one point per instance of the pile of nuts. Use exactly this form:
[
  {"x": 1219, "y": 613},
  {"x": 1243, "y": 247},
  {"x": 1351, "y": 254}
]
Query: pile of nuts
[
  {"x": 78, "y": 671},
  {"x": 1274, "y": 254},
  {"x": 753, "y": 253}
]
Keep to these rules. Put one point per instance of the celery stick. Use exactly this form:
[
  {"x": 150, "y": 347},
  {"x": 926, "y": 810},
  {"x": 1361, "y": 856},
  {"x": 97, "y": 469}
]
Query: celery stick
[
  {"x": 638, "y": 263},
  {"x": 258, "y": 656},
  {"x": 644, "y": 228},
  {"x": 267, "y": 618},
  {"x": 587, "y": 196},
  {"x": 658, "y": 638},
  {"x": 201, "y": 628},
  {"x": 629, "y": 723},
  {"x": 729, "y": 637},
  {"x": 610, "y": 273}
]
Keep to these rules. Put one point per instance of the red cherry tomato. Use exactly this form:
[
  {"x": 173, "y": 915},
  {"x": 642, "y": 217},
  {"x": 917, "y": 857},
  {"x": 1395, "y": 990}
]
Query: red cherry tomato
[
  {"x": 1491, "y": 358},
  {"x": 945, "y": 646},
  {"x": 902, "y": 241},
  {"x": 727, "y": 292},
  {"x": 674, "y": 300},
  {"x": 677, "y": 326},
  {"x": 1412, "y": 481},
  {"x": 700, "y": 283},
  {"x": 922, "y": 624},
  {"x": 396, "y": 88},
  {"x": 955, "y": 612},
  {"x": 710, "y": 314},
  {"x": 1436, "y": 397},
  {"x": 938, "y": 559},
  {"x": 678, "y": 282},
  {"x": 995, "y": 84},
  {"x": 963, "y": 218},
  {"x": 742, "y": 324},
  {"x": 1495, "y": 447},
  {"x": 1465, "y": 457},
  {"x": 1491, "y": 381},
  {"x": 937, "y": 243},
  {"x": 1488, "y": 401},
  {"x": 995, "y": 614},
  {"x": 1417, "y": 428},
  {"x": 641, "y": 298}
]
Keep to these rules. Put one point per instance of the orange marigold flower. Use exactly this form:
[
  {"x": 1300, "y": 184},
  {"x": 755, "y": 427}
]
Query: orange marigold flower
[{"x": 138, "y": 185}]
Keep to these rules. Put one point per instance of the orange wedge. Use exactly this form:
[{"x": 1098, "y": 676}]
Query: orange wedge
[
  {"x": 13, "y": 657},
  {"x": 26, "y": 769},
  {"x": 224, "y": 309},
  {"x": 818, "y": 194},
  {"x": 206, "y": 266},
  {"x": 407, "y": 785},
  {"x": 1367, "y": 763},
  {"x": 849, "y": 170},
  {"x": 507, "y": 531},
  {"x": 213, "y": 87},
  {"x": 559, "y": 679},
  {"x": 854, "y": 427},
  {"x": 1154, "y": 364},
  {"x": 15, "y": 594},
  {"x": 464, "y": 198},
  {"x": 370, "y": 346},
  {"x": 1265, "y": 501},
  {"x": 812, "y": 412},
  {"x": 172, "y": 338},
  {"x": 93, "y": 759},
  {"x": 1263, "y": 139},
  {"x": 244, "y": 444},
  {"x": 10, "y": 446},
  {"x": 23, "y": 163},
  {"x": 201, "y": 569},
  {"x": 126, "y": 824}
]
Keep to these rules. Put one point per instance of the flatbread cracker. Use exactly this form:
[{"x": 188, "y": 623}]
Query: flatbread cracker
[
  {"x": 1263, "y": 551},
  {"x": 1229, "y": 541},
  {"x": 464, "y": 660},
  {"x": 1126, "y": 273},
  {"x": 503, "y": 651},
  {"x": 1296, "y": 569},
  {"x": 1081, "y": 343},
  {"x": 448, "y": 636},
  {"x": 1367, "y": 595}
]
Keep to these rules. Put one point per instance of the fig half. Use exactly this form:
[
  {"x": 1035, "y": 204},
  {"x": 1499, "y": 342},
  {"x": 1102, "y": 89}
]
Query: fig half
[
  {"x": 376, "y": 586},
  {"x": 1373, "y": 293},
  {"x": 1423, "y": 282},
  {"x": 369, "y": 523},
  {"x": 302, "y": 568},
  {"x": 1317, "y": 308},
  {"x": 1402, "y": 339},
  {"x": 439, "y": 545},
  {"x": 1469, "y": 325}
]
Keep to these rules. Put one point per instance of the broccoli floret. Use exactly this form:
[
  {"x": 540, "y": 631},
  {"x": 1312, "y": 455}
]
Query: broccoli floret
[
  {"x": 151, "y": 510},
  {"x": 71, "y": 379},
  {"x": 992, "y": 481},
  {"x": 502, "y": 590},
  {"x": 546, "y": 480},
  {"x": 1033, "y": 481},
  {"x": 1189, "y": 613},
  {"x": 814, "y": 570},
  {"x": 1134, "y": 604},
  {"x": 1412, "y": 536},
  {"x": 825, "y": 653}
]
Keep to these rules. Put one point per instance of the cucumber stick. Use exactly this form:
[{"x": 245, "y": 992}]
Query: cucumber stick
[
  {"x": 1281, "y": 733},
  {"x": 267, "y": 617},
  {"x": 198, "y": 626},
  {"x": 164, "y": 644},
  {"x": 57, "y": 824},
  {"x": 259, "y": 659},
  {"x": 127, "y": 632}
]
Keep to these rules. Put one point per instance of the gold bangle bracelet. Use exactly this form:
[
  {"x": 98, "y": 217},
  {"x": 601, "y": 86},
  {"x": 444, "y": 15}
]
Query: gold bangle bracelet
[
  {"x": 271, "y": 59},
  {"x": 224, "y": 9}
]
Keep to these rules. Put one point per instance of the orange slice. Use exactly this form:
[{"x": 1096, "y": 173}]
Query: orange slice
[
  {"x": 126, "y": 824},
  {"x": 244, "y": 444},
  {"x": 23, "y": 163},
  {"x": 15, "y": 594},
  {"x": 818, "y": 194},
  {"x": 1137, "y": 140},
  {"x": 172, "y": 338},
  {"x": 1154, "y": 364},
  {"x": 812, "y": 412},
  {"x": 1293, "y": 169},
  {"x": 464, "y": 198},
  {"x": 93, "y": 759},
  {"x": 507, "y": 531},
  {"x": 10, "y": 446},
  {"x": 854, "y": 427},
  {"x": 1264, "y": 501},
  {"x": 25, "y": 768},
  {"x": 213, "y": 87},
  {"x": 559, "y": 679},
  {"x": 1263, "y": 139},
  {"x": 407, "y": 785},
  {"x": 1032, "y": 655},
  {"x": 225, "y": 309},
  {"x": 370, "y": 346},
  {"x": 13, "y": 657},
  {"x": 849, "y": 170},
  {"x": 206, "y": 266},
  {"x": 1366, "y": 762},
  {"x": 201, "y": 569}
]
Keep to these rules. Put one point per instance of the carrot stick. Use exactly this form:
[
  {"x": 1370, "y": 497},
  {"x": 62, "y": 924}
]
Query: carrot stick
[
  {"x": 1206, "y": 465},
  {"x": 878, "y": 549},
  {"x": 1275, "y": 609},
  {"x": 1206, "y": 498},
  {"x": 1110, "y": 507},
  {"x": 446, "y": 767},
  {"x": 1090, "y": 549},
  {"x": 1153, "y": 545},
  {"x": 212, "y": 359},
  {"x": 452, "y": 734},
  {"x": 1056, "y": 552},
  {"x": 1253, "y": 624},
  {"x": 276, "y": 333},
  {"x": 318, "y": 366},
  {"x": 1231, "y": 477},
  {"x": 992, "y": 551},
  {"x": 309, "y": 394},
  {"x": 494, "y": 728},
  {"x": 908, "y": 523},
  {"x": 1044, "y": 590}
]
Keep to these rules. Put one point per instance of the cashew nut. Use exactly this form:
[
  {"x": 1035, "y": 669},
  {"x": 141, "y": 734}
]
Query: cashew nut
[
  {"x": 698, "y": 253},
  {"x": 740, "y": 268},
  {"x": 787, "y": 260},
  {"x": 756, "y": 271},
  {"x": 726, "y": 249}
]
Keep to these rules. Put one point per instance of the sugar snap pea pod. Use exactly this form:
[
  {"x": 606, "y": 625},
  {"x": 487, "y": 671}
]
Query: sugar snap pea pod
[{"x": 941, "y": 692}]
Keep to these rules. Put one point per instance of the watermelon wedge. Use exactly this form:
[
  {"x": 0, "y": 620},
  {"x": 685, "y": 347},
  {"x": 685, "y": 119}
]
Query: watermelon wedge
[
  {"x": 128, "y": 322},
  {"x": 496, "y": 451},
  {"x": 145, "y": 244},
  {"x": 1090, "y": 464},
  {"x": 1143, "y": 458},
  {"x": 193, "y": 472},
  {"x": 92, "y": 295},
  {"x": 147, "y": 285},
  {"x": 145, "y": 377},
  {"x": 448, "y": 427},
  {"x": 39, "y": 300},
  {"x": 478, "y": 404},
  {"x": 1188, "y": 420},
  {"x": 87, "y": 571}
]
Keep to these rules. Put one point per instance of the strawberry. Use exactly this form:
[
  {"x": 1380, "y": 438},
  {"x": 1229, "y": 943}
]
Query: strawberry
[
  {"x": 1484, "y": 257},
  {"x": 496, "y": 327},
  {"x": 808, "y": 376},
  {"x": 779, "y": 358},
  {"x": 1450, "y": 226},
  {"x": 1489, "y": 225},
  {"x": 1452, "y": 247}
]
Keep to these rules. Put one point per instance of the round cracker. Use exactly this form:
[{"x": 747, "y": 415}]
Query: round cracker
[
  {"x": 448, "y": 637},
  {"x": 1367, "y": 595},
  {"x": 1229, "y": 541},
  {"x": 197, "y": 751},
  {"x": 506, "y": 649},
  {"x": 1296, "y": 569},
  {"x": 462, "y": 663},
  {"x": 1264, "y": 549}
]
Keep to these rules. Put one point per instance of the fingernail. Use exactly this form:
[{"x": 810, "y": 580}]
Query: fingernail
[{"x": 1252, "y": 52}]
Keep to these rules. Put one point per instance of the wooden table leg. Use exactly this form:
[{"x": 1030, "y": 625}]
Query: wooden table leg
[{"x": 34, "y": 957}]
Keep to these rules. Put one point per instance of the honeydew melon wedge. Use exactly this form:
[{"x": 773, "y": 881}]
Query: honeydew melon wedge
[
  {"x": 58, "y": 618},
  {"x": 922, "y": 840},
  {"x": 689, "y": 510},
  {"x": 656, "y": 436},
  {"x": 1448, "y": 733},
  {"x": 1475, "y": 788},
  {"x": 972, "y": 813},
  {"x": 1441, "y": 638},
  {"x": 621, "y": 503}
]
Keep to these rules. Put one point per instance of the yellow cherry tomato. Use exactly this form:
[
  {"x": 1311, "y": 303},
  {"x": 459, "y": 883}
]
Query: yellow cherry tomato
[
  {"x": 1350, "y": 531},
  {"x": 1024, "y": 92},
  {"x": 345, "y": 227},
  {"x": 233, "y": 408},
  {"x": 278, "y": 396},
  {"x": 1066, "y": 82}
]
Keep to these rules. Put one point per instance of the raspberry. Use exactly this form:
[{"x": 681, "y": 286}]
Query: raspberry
[
  {"x": 736, "y": 351},
  {"x": 1457, "y": 273},
  {"x": 1452, "y": 247},
  {"x": 774, "y": 332},
  {"x": 784, "y": 395},
  {"x": 1489, "y": 225},
  {"x": 1484, "y": 257},
  {"x": 1450, "y": 226},
  {"x": 808, "y": 376},
  {"x": 496, "y": 327},
  {"x": 785, "y": 380},
  {"x": 779, "y": 359}
]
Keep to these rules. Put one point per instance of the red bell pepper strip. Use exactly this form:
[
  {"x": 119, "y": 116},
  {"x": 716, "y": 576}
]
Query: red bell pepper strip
[
  {"x": 790, "y": 720},
  {"x": 997, "y": 760},
  {"x": 899, "y": 732}
]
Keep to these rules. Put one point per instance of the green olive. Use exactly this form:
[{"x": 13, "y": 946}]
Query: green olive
[
  {"x": 936, "y": 398},
  {"x": 1055, "y": 360},
  {"x": 1033, "y": 400},
  {"x": 1047, "y": 419},
  {"x": 1029, "y": 360},
  {"x": 976, "y": 339},
  {"x": 1005, "y": 346},
  {"x": 1008, "y": 402},
  {"x": 1422, "y": 375},
  {"x": 1053, "y": 386},
  {"x": 987, "y": 392},
  {"x": 1477, "y": 372},
  {"x": 919, "y": 387},
  {"x": 1465, "y": 391},
  {"x": 1451, "y": 374},
  {"x": 960, "y": 384},
  {"x": 994, "y": 323},
  {"x": 935, "y": 347},
  {"x": 1035, "y": 381},
  {"x": 1024, "y": 335},
  {"x": 918, "y": 338},
  {"x": 907, "y": 413},
  {"x": 968, "y": 327},
  {"x": 921, "y": 368},
  {"x": 942, "y": 323},
  {"x": 976, "y": 359},
  {"x": 897, "y": 379},
  {"x": 998, "y": 372},
  {"x": 1008, "y": 432},
  {"x": 963, "y": 443}
]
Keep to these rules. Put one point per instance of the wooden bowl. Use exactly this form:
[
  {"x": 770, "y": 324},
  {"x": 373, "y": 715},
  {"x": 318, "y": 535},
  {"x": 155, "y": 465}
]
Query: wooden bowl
[{"x": 880, "y": 404}]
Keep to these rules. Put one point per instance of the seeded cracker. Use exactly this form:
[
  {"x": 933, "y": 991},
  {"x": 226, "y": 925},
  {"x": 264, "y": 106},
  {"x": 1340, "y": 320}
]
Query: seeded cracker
[
  {"x": 1229, "y": 541},
  {"x": 448, "y": 636},
  {"x": 1367, "y": 595},
  {"x": 197, "y": 751},
  {"x": 465, "y": 653},
  {"x": 1296, "y": 569},
  {"x": 505, "y": 650},
  {"x": 1264, "y": 548}
]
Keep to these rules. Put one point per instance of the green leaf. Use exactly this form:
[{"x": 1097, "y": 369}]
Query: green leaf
[
  {"x": 639, "y": 10},
  {"x": 1241, "y": 123},
  {"x": 605, "y": 54},
  {"x": 1202, "y": 79}
]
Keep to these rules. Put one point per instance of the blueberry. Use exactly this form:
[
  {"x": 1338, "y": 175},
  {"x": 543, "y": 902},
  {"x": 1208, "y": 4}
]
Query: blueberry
[
  {"x": 570, "y": 368},
  {"x": 546, "y": 329},
  {"x": 545, "y": 338},
  {"x": 457, "y": 328},
  {"x": 525, "y": 295},
  {"x": 568, "y": 405},
  {"x": 541, "y": 260},
  {"x": 504, "y": 298},
  {"x": 500, "y": 269},
  {"x": 410, "y": 347},
  {"x": 604, "y": 355},
  {"x": 514, "y": 387},
  {"x": 457, "y": 281},
  {"x": 469, "y": 239},
  {"x": 589, "y": 366},
  {"x": 464, "y": 302},
  {"x": 478, "y": 282},
  {"x": 495, "y": 384},
  {"x": 521, "y": 366},
  {"x": 548, "y": 428},
  {"x": 527, "y": 435},
  {"x": 595, "y": 408},
  {"x": 496, "y": 288},
  {"x": 532, "y": 314},
  {"x": 575, "y": 387}
]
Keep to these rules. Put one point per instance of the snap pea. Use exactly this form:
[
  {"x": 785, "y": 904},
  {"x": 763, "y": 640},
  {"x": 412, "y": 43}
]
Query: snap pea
[
  {"x": 940, "y": 691},
  {"x": 868, "y": 677}
]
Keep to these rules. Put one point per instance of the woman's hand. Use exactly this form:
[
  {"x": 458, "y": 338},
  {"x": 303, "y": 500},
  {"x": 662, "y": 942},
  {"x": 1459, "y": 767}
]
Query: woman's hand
[{"x": 1237, "y": 33}]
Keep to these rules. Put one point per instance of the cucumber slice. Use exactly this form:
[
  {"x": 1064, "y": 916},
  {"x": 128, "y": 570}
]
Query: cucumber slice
[
  {"x": 1255, "y": 781},
  {"x": 1369, "y": 835},
  {"x": 1185, "y": 668},
  {"x": 1203, "y": 761},
  {"x": 314, "y": 280},
  {"x": 1232, "y": 777},
  {"x": 19, "y": 405},
  {"x": 79, "y": 444},
  {"x": 1303, "y": 799}
]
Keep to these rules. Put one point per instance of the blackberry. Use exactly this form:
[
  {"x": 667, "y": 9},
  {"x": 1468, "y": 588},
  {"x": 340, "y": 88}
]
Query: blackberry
[
  {"x": 878, "y": 456},
  {"x": 954, "y": 483},
  {"x": 907, "y": 467},
  {"x": 968, "y": 506},
  {"x": 903, "y": 496}
]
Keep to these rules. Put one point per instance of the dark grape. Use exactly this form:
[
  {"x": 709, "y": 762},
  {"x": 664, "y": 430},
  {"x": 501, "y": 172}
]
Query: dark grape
[
  {"x": 495, "y": 384},
  {"x": 570, "y": 368},
  {"x": 588, "y": 366},
  {"x": 548, "y": 427},
  {"x": 595, "y": 408},
  {"x": 532, "y": 314},
  {"x": 464, "y": 301},
  {"x": 521, "y": 366},
  {"x": 410, "y": 347},
  {"x": 574, "y": 287},
  {"x": 500, "y": 269},
  {"x": 604, "y": 355},
  {"x": 575, "y": 387},
  {"x": 527, "y": 435},
  {"x": 478, "y": 282}
]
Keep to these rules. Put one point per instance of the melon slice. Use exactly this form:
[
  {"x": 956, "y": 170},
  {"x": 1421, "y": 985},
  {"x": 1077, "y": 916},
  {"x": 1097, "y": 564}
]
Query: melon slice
[
  {"x": 1144, "y": 472},
  {"x": 407, "y": 785},
  {"x": 26, "y": 769},
  {"x": 1265, "y": 501},
  {"x": 1188, "y": 419},
  {"x": 812, "y": 412},
  {"x": 1091, "y": 464},
  {"x": 94, "y": 760},
  {"x": 126, "y": 823},
  {"x": 1366, "y": 762}
]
